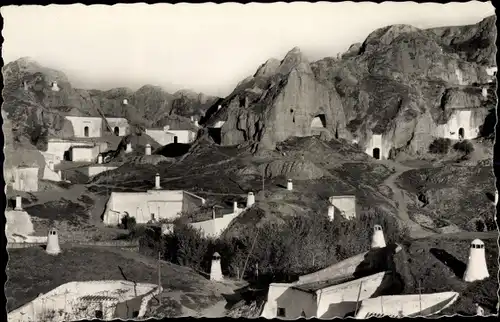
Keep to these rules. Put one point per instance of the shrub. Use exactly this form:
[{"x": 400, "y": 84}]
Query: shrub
[
  {"x": 464, "y": 146},
  {"x": 128, "y": 222},
  {"x": 440, "y": 146}
]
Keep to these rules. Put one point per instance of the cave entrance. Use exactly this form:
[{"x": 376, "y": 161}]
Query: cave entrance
[
  {"x": 116, "y": 130},
  {"x": 86, "y": 131},
  {"x": 461, "y": 133},
  {"x": 376, "y": 153},
  {"x": 319, "y": 121}
]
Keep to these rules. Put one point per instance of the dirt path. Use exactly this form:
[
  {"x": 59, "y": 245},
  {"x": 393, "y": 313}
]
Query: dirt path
[{"x": 416, "y": 231}]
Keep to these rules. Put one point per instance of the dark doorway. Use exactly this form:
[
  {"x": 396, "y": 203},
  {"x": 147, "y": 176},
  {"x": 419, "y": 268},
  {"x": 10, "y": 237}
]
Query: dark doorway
[
  {"x": 175, "y": 139},
  {"x": 98, "y": 314},
  {"x": 117, "y": 131},
  {"x": 86, "y": 131},
  {"x": 215, "y": 134},
  {"x": 67, "y": 155},
  {"x": 461, "y": 133},
  {"x": 376, "y": 153}
]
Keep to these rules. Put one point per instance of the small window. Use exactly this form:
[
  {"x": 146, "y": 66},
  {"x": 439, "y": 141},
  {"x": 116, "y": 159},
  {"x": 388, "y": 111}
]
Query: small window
[
  {"x": 281, "y": 312},
  {"x": 98, "y": 314}
]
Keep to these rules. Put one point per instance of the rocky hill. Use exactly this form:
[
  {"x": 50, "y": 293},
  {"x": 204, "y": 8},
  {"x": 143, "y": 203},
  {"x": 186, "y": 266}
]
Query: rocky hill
[
  {"x": 37, "y": 112},
  {"x": 402, "y": 82}
]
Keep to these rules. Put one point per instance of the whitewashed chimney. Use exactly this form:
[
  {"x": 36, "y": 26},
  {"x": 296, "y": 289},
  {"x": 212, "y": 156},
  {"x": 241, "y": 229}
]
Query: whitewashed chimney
[
  {"x": 157, "y": 181},
  {"x": 219, "y": 107},
  {"x": 129, "y": 147},
  {"x": 19, "y": 203},
  {"x": 125, "y": 101},
  {"x": 166, "y": 128},
  {"x": 216, "y": 269},
  {"x": 196, "y": 123},
  {"x": 235, "y": 207},
  {"x": 148, "y": 149},
  {"x": 485, "y": 92},
  {"x": 192, "y": 118},
  {"x": 331, "y": 212},
  {"x": 289, "y": 185},
  {"x": 54, "y": 87},
  {"x": 25, "y": 84},
  {"x": 476, "y": 265},
  {"x": 99, "y": 159},
  {"x": 378, "y": 240},
  {"x": 53, "y": 247},
  {"x": 250, "y": 199},
  {"x": 496, "y": 197}
]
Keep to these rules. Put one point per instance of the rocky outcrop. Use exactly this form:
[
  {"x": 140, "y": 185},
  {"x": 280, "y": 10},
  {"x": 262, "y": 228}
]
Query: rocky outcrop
[
  {"x": 36, "y": 106},
  {"x": 292, "y": 169},
  {"x": 401, "y": 82},
  {"x": 281, "y": 103}
]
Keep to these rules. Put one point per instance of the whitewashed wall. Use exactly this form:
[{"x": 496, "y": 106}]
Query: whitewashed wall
[
  {"x": 161, "y": 136},
  {"x": 79, "y": 123},
  {"x": 330, "y": 299},
  {"x": 18, "y": 222},
  {"x": 408, "y": 304},
  {"x": 459, "y": 119},
  {"x": 93, "y": 170},
  {"x": 346, "y": 204},
  {"x": 121, "y": 123},
  {"x": 26, "y": 179},
  {"x": 215, "y": 227},
  {"x": 81, "y": 154},
  {"x": 292, "y": 300},
  {"x": 378, "y": 141}
]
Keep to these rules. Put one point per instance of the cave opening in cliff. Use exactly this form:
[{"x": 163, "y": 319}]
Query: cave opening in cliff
[
  {"x": 376, "y": 153},
  {"x": 86, "y": 131},
  {"x": 461, "y": 133},
  {"x": 116, "y": 130},
  {"x": 319, "y": 121},
  {"x": 215, "y": 134}
]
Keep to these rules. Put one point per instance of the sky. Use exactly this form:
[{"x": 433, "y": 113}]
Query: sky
[{"x": 207, "y": 48}]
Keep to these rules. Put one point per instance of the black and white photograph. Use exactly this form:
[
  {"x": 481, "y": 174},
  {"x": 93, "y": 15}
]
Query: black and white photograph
[{"x": 262, "y": 160}]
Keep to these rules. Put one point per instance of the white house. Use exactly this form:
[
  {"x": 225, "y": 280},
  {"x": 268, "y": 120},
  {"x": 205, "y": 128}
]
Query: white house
[
  {"x": 119, "y": 125},
  {"x": 344, "y": 206},
  {"x": 215, "y": 227},
  {"x": 377, "y": 147},
  {"x": 84, "y": 153},
  {"x": 460, "y": 126},
  {"x": 325, "y": 300},
  {"x": 86, "y": 127},
  {"x": 151, "y": 205},
  {"x": 81, "y": 300},
  {"x": 59, "y": 149},
  {"x": 166, "y": 136}
]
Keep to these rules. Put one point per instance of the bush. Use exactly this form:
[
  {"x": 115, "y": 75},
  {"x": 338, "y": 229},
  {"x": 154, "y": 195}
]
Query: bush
[
  {"x": 464, "y": 146},
  {"x": 440, "y": 146},
  {"x": 128, "y": 222}
]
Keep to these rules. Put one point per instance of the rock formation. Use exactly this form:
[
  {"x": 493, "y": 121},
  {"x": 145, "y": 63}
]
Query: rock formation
[{"x": 402, "y": 83}]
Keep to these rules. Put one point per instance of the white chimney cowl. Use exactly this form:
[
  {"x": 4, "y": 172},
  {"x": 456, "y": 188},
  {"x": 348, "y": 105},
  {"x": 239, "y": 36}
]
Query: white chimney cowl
[{"x": 125, "y": 101}]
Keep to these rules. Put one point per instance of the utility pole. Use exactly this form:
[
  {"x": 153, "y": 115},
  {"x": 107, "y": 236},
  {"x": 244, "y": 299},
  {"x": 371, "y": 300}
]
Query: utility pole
[
  {"x": 248, "y": 256},
  {"x": 159, "y": 274},
  {"x": 357, "y": 300},
  {"x": 420, "y": 296}
]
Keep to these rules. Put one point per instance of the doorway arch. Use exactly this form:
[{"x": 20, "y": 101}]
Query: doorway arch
[
  {"x": 175, "y": 139},
  {"x": 376, "y": 153},
  {"x": 116, "y": 130},
  {"x": 461, "y": 133},
  {"x": 86, "y": 131}
]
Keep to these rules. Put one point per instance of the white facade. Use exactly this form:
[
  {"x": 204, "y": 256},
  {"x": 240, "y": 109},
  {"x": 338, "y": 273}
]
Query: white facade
[
  {"x": 377, "y": 146},
  {"x": 406, "y": 305},
  {"x": 338, "y": 300},
  {"x": 460, "y": 125},
  {"x": 215, "y": 227},
  {"x": 183, "y": 136},
  {"x": 149, "y": 205},
  {"x": 84, "y": 153},
  {"x": 18, "y": 222},
  {"x": 218, "y": 124},
  {"x": 56, "y": 148},
  {"x": 93, "y": 170},
  {"x": 285, "y": 302},
  {"x": 167, "y": 136},
  {"x": 345, "y": 204},
  {"x": 75, "y": 299},
  {"x": 119, "y": 125},
  {"x": 86, "y": 127},
  {"x": 53, "y": 247},
  {"x": 26, "y": 179}
]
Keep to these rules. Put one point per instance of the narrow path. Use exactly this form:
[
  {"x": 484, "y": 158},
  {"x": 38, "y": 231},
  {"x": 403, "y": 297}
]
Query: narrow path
[{"x": 416, "y": 231}]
